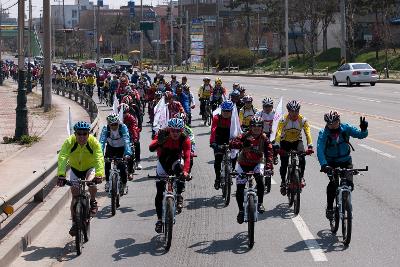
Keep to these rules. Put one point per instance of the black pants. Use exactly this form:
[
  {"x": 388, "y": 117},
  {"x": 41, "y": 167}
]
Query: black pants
[
  {"x": 287, "y": 146},
  {"x": 332, "y": 186},
  {"x": 117, "y": 152},
  {"x": 137, "y": 151},
  {"x": 189, "y": 118},
  {"x": 202, "y": 105},
  {"x": 240, "y": 188},
  {"x": 217, "y": 164}
]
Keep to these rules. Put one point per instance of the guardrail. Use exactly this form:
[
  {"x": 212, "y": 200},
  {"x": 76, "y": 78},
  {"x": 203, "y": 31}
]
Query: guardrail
[
  {"x": 40, "y": 186},
  {"x": 317, "y": 72},
  {"x": 389, "y": 74}
]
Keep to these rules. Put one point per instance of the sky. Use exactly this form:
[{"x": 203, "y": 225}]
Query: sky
[{"x": 38, "y": 4}]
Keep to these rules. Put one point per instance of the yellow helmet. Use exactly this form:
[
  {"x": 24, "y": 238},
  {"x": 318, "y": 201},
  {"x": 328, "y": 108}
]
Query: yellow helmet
[{"x": 218, "y": 81}]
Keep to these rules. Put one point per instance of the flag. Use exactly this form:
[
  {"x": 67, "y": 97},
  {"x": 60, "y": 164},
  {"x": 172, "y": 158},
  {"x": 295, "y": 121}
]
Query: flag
[
  {"x": 235, "y": 129},
  {"x": 115, "y": 104},
  {"x": 277, "y": 118},
  {"x": 161, "y": 115},
  {"x": 69, "y": 122},
  {"x": 121, "y": 115}
]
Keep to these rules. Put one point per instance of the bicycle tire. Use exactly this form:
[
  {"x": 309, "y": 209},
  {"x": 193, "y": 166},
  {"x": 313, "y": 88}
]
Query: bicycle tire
[
  {"x": 169, "y": 222},
  {"x": 346, "y": 221},
  {"x": 86, "y": 224},
  {"x": 335, "y": 222},
  {"x": 250, "y": 219},
  {"x": 296, "y": 193},
  {"x": 228, "y": 185},
  {"x": 114, "y": 194},
  {"x": 267, "y": 184},
  {"x": 79, "y": 237}
]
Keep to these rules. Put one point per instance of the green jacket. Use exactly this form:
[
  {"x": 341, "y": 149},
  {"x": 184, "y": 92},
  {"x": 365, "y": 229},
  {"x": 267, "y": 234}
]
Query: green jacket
[{"x": 81, "y": 158}]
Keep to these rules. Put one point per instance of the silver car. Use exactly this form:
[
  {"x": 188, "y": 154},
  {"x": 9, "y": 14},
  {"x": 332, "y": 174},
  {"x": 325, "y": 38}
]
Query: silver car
[{"x": 355, "y": 73}]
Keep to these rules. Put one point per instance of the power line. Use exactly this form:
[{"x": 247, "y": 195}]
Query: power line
[{"x": 4, "y": 9}]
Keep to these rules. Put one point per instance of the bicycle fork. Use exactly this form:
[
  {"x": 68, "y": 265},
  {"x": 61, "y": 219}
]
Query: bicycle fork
[
  {"x": 248, "y": 192},
  {"x": 164, "y": 206},
  {"x": 340, "y": 200}
]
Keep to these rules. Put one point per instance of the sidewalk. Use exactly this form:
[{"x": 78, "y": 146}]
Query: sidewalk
[
  {"x": 38, "y": 121},
  {"x": 20, "y": 170}
]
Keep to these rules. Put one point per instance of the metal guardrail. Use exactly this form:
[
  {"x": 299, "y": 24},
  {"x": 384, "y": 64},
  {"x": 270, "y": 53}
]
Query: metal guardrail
[
  {"x": 317, "y": 72},
  {"x": 39, "y": 187}
]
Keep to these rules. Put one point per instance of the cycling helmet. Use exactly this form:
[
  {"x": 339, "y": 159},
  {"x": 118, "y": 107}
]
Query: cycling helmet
[
  {"x": 206, "y": 79},
  {"x": 168, "y": 94},
  {"x": 181, "y": 116},
  {"x": 173, "y": 76},
  {"x": 125, "y": 107},
  {"x": 256, "y": 121},
  {"x": 112, "y": 118},
  {"x": 235, "y": 93},
  {"x": 236, "y": 85},
  {"x": 158, "y": 94},
  {"x": 332, "y": 117},
  {"x": 293, "y": 106},
  {"x": 247, "y": 99},
  {"x": 218, "y": 81},
  {"x": 241, "y": 89},
  {"x": 268, "y": 102},
  {"x": 82, "y": 125},
  {"x": 227, "y": 105},
  {"x": 176, "y": 123}
]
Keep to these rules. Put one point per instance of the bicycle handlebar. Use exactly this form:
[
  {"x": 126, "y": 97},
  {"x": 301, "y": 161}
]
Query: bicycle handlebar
[{"x": 114, "y": 159}]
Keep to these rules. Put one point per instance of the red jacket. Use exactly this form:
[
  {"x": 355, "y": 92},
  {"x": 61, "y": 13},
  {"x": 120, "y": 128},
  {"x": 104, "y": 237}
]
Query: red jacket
[
  {"x": 132, "y": 124},
  {"x": 220, "y": 130},
  {"x": 173, "y": 145},
  {"x": 174, "y": 108}
]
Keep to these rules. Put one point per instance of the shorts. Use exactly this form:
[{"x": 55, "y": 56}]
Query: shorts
[
  {"x": 259, "y": 168},
  {"x": 160, "y": 170},
  {"x": 73, "y": 177}
]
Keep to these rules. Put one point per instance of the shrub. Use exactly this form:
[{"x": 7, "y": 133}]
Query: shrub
[{"x": 241, "y": 57}]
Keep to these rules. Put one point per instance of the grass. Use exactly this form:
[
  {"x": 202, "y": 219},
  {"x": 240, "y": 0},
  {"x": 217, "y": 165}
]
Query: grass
[{"x": 24, "y": 140}]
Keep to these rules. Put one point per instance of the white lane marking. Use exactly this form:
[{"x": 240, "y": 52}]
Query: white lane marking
[
  {"x": 277, "y": 88},
  {"x": 316, "y": 252},
  {"x": 315, "y": 127},
  {"x": 377, "y": 151},
  {"x": 321, "y": 93},
  {"x": 273, "y": 181},
  {"x": 370, "y": 100}
]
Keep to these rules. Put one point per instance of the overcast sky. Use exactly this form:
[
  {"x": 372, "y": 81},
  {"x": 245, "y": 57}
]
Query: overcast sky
[{"x": 38, "y": 4}]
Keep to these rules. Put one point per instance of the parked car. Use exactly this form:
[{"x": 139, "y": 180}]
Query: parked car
[
  {"x": 123, "y": 65},
  {"x": 355, "y": 73},
  {"x": 106, "y": 63},
  {"x": 38, "y": 60},
  {"x": 68, "y": 63},
  {"x": 89, "y": 64}
]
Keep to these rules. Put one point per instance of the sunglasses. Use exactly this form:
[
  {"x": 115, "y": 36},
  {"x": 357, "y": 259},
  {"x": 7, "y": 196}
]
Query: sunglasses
[{"x": 82, "y": 133}]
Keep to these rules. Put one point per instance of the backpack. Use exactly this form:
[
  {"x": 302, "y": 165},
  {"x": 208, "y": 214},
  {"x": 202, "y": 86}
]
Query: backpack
[
  {"x": 75, "y": 146},
  {"x": 346, "y": 139},
  {"x": 109, "y": 131}
]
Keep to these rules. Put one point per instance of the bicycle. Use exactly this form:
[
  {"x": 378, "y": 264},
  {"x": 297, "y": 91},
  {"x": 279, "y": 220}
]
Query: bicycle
[
  {"x": 168, "y": 208},
  {"x": 249, "y": 204},
  {"x": 82, "y": 215},
  {"x": 207, "y": 116},
  {"x": 267, "y": 181},
  {"x": 226, "y": 178},
  {"x": 343, "y": 208},
  {"x": 116, "y": 189},
  {"x": 293, "y": 182}
]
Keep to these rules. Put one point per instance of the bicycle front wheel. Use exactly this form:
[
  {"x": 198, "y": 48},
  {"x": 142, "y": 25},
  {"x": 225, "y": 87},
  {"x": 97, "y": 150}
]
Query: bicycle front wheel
[
  {"x": 169, "y": 222},
  {"x": 79, "y": 237},
  {"x": 227, "y": 186},
  {"x": 251, "y": 209},
  {"x": 296, "y": 193},
  {"x": 346, "y": 221},
  {"x": 334, "y": 223},
  {"x": 114, "y": 194}
]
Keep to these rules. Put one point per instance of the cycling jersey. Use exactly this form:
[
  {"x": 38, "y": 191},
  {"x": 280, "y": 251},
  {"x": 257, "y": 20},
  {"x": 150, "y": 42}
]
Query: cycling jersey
[
  {"x": 245, "y": 116},
  {"x": 290, "y": 131},
  {"x": 205, "y": 91},
  {"x": 118, "y": 138},
  {"x": 81, "y": 158},
  {"x": 268, "y": 119},
  {"x": 90, "y": 80}
]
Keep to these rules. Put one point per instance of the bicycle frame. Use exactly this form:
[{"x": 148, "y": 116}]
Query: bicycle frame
[
  {"x": 114, "y": 170},
  {"x": 250, "y": 190},
  {"x": 170, "y": 192}
]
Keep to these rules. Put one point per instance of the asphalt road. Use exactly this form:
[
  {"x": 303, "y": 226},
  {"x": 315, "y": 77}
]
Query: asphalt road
[{"x": 206, "y": 233}]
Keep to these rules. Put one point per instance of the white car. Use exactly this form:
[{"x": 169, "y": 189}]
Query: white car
[
  {"x": 106, "y": 63},
  {"x": 355, "y": 73}
]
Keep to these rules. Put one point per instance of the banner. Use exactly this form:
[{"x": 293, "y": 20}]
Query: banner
[
  {"x": 278, "y": 116},
  {"x": 199, "y": 52},
  {"x": 161, "y": 115},
  {"x": 197, "y": 45},
  {"x": 69, "y": 122},
  {"x": 197, "y": 38},
  {"x": 115, "y": 104}
]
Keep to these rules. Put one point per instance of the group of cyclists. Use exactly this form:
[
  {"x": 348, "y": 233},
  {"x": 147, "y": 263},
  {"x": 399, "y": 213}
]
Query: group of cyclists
[{"x": 256, "y": 145}]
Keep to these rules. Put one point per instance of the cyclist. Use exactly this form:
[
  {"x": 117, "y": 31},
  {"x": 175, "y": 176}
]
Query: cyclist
[
  {"x": 288, "y": 137},
  {"x": 173, "y": 84},
  {"x": 255, "y": 147},
  {"x": 90, "y": 82},
  {"x": 188, "y": 132},
  {"x": 220, "y": 135},
  {"x": 234, "y": 97},
  {"x": 333, "y": 150},
  {"x": 204, "y": 94},
  {"x": 174, "y": 107},
  {"x": 242, "y": 94},
  {"x": 247, "y": 112},
  {"x": 173, "y": 151},
  {"x": 115, "y": 142},
  {"x": 185, "y": 97},
  {"x": 218, "y": 94},
  {"x": 82, "y": 152}
]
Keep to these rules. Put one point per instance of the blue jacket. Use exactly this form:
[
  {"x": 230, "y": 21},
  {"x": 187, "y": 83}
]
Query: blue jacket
[
  {"x": 338, "y": 149},
  {"x": 124, "y": 139},
  {"x": 185, "y": 99}
]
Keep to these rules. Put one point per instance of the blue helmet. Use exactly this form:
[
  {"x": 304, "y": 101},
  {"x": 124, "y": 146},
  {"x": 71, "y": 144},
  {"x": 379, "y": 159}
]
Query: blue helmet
[
  {"x": 227, "y": 105},
  {"x": 82, "y": 125},
  {"x": 176, "y": 123},
  {"x": 235, "y": 93}
]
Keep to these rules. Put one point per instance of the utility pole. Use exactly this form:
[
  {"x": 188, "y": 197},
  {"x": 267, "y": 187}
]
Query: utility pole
[
  {"x": 141, "y": 33},
  {"x": 47, "y": 56},
  {"x": 172, "y": 36},
  {"x": 217, "y": 39},
  {"x": 65, "y": 33},
  {"x": 180, "y": 32},
  {"x": 97, "y": 33},
  {"x": 343, "y": 44},
  {"x": 1, "y": 40},
  {"x": 21, "y": 110},
  {"x": 29, "y": 73},
  {"x": 287, "y": 37},
  {"x": 187, "y": 39},
  {"x": 158, "y": 22}
]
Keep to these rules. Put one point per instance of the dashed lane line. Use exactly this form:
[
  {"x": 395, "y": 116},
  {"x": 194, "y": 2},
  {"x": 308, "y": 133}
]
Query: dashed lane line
[{"x": 377, "y": 151}]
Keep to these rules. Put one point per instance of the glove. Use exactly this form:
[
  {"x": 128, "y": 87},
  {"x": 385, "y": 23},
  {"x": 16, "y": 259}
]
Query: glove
[
  {"x": 247, "y": 143},
  {"x": 186, "y": 177},
  {"x": 162, "y": 137},
  {"x": 269, "y": 172},
  {"x": 61, "y": 181},
  {"x": 309, "y": 150},
  {"x": 214, "y": 146},
  {"x": 363, "y": 124},
  {"x": 98, "y": 180},
  {"x": 325, "y": 168}
]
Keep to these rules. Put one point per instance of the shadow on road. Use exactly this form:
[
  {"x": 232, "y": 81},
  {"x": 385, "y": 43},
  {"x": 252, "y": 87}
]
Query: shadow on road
[
  {"x": 238, "y": 244},
  {"x": 104, "y": 213},
  {"x": 202, "y": 134},
  {"x": 281, "y": 211},
  {"x": 67, "y": 253},
  {"x": 127, "y": 248},
  {"x": 151, "y": 158},
  {"x": 147, "y": 213},
  {"x": 202, "y": 202},
  {"x": 143, "y": 179}
]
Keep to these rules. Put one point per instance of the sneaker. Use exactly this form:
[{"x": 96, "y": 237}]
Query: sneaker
[
  {"x": 93, "y": 208},
  {"x": 158, "y": 228},
  {"x": 73, "y": 230},
  {"x": 303, "y": 182},
  {"x": 130, "y": 177},
  {"x": 107, "y": 187},
  {"x": 216, "y": 184},
  {"x": 276, "y": 160},
  {"x": 179, "y": 204},
  {"x": 261, "y": 208},
  {"x": 138, "y": 166},
  {"x": 283, "y": 188},
  {"x": 329, "y": 214},
  {"x": 122, "y": 189},
  {"x": 240, "y": 217}
]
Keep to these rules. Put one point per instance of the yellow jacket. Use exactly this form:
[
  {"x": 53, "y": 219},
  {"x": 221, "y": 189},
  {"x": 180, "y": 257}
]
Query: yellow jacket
[
  {"x": 90, "y": 80},
  {"x": 204, "y": 93},
  {"x": 81, "y": 158},
  {"x": 290, "y": 131},
  {"x": 245, "y": 115}
]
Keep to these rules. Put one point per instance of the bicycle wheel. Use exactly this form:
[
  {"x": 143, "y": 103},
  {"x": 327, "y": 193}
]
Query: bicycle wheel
[
  {"x": 169, "y": 222},
  {"x": 267, "y": 183},
  {"x": 296, "y": 192},
  {"x": 250, "y": 219},
  {"x": 79, "y": 237},
  {"x": 335, "y": 222},
  {"x": 86, "y": 224},
  {"x": 347, "y": 220},
  {"x": 227, "y": 186},
  {"x": 114, "y": 194}
]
